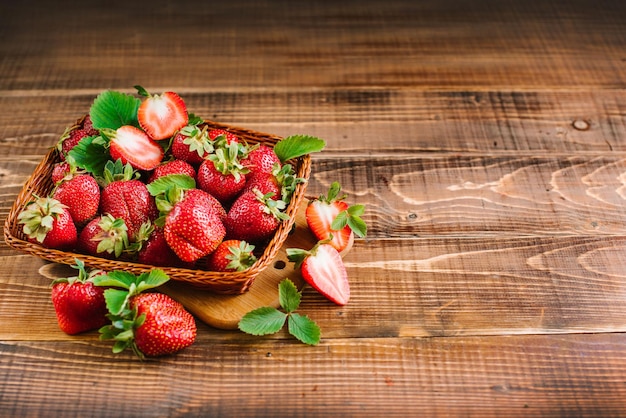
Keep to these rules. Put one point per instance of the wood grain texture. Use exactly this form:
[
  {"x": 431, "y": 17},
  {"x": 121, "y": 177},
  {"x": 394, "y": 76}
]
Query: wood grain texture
[
  {"x": 273, "y": 44},
  {"x": 486, "y": 139},
  {"x": 530, "y": 376},
  {"x": 364, "y": 120}
]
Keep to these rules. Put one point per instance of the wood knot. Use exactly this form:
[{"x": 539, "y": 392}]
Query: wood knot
[{"x": 581, "y": 125}]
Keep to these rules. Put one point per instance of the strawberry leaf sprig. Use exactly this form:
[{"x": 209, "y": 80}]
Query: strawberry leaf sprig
[
  {"x": 150, "y": 323},
  {"x": 269, "y": 320}
]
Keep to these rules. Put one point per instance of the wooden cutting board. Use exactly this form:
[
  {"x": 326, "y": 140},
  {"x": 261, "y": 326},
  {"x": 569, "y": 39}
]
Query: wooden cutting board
[{"x": 225, "y": 311}]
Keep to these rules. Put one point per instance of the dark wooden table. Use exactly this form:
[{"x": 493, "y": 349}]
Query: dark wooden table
[{"x": 486, "y": 138}]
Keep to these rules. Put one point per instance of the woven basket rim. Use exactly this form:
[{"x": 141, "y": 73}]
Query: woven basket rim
[{"x": 228, "y": 283}]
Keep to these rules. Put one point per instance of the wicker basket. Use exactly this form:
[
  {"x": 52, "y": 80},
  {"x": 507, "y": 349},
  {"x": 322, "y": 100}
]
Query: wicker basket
[{"x": 40, "y": 184}]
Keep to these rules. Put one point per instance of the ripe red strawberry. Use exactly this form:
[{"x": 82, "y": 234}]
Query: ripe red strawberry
[
  {"x": 126, "y": 197},
  {"x": 229, "y": 137},
  {"x": 60, "y": 171},
  {"x": 261, "y": 159},
  {"x": 152, "y": 324},
  {"x": 81, "y": 195},
  {"x": 222, "y": 175},
  {"x": 231, "y": 255},
  {"x": 172, "y": 167},
  {"x": 152, "y": 248},
  {"x": 254, "y": 217},
  {"x": 209, "y": 200},
  {"x": 48, "y": 222},
  {"x": 193, "y": 228},
  {"x": 104, "y": 236},
  {"x": 70, "y": 138},
  {"x": 323, "y": 269},
  {"x": 88, "y": 126},
  {"x": 161, "y": 115},
  {"x": 330, "y": 215},
  {"x": 264, "y": 182},
  {"x": 192, "y": 144},
  {"x": 167, "y": 328},
  {"x": 133, "y": 146},
  {"x": 78, "y": 303}
]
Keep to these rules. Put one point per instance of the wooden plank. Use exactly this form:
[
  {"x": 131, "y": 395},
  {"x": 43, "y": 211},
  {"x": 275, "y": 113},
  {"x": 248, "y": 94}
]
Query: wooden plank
[
  {"x": 530, "y": 376},
  {"x": 363, "y": 121},
  {"x": 432, "y": 44},
  {"x": 481, "y": 195},
  {"x": 420, "y": 288}
]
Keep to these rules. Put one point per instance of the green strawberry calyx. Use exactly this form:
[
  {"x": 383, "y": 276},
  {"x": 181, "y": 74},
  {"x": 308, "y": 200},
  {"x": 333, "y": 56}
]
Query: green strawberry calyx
[
  {"x": 272, "y": 207},
  {"x": 83, "y": 276},
  {"x": 350, "y": 217},
  {"x": 241, "y": 256},
  {"x": 226, "y": 160},
  {"x": 38, "y": 216},
  {"x": 197, "y": 139}
]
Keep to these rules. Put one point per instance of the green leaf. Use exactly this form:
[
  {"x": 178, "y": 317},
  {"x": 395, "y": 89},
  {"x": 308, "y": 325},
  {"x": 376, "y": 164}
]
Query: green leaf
[
  {"x": 91, "y": 154},
  {"x": 304, "y": 329},
  {"x": 115, "y": 278},
  {"x": 262, "y": 321},
  {"x": 351, "y": 217},
  {"x": 112, "y": 109},
  {"x": 358, "y": 225},
  {"x": 155, "y": 278},
  {"x": 116, "y": 300},
  {"x": 298, "y": 145},
  {"x": 288, "y": 295},
  {"x": 340, "y": 221},
  {"x": 165, "y": 183},
  {"x": 194, "y": 119},
  {"x": 356, "y": 210}
]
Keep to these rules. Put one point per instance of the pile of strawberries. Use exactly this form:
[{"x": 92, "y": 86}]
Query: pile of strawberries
[
  {"x": 164, "y": 191},
  {"x": 145, "y": 181}
]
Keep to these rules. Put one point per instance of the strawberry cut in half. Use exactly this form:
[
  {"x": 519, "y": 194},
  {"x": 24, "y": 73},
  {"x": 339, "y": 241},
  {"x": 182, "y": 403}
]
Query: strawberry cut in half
[
  {"x": 331, "y": 217},
  {"x": 133, "y": 146},
  {"x": 161, "y": 115},
  {"x": 323, "y": 269}
]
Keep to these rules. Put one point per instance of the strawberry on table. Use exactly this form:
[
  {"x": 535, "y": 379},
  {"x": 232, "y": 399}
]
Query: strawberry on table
[
  {"x": 331, "y": 215},
  {"x": 323, "y": 269},
  {"x": 232, "y": 255},
  {"x": 133, "y": 146},
  {"x": 48, "y": 222},
  {"x": 79, "y": 304},
  {"x": 161, "y": 115},
  {"x": 81, "y": 194},
  {"x": 151, "y": 324}
]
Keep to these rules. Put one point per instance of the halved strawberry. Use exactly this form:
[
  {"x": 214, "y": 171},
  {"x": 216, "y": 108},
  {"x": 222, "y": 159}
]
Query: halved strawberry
[
  {"x": 330, "y": 215},
  {"x": 161, "y": 115},
  {"x": 323, "y": 269},
  {"x": 133, "y": 146}
]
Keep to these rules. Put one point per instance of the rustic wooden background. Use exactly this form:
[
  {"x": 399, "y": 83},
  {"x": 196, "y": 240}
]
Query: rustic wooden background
[{"x": 486, "y": 139}]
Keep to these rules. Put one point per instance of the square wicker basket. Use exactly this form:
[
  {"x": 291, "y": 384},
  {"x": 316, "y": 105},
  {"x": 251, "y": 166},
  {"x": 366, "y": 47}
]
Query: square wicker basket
[{"x": 40, "y": 184}]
